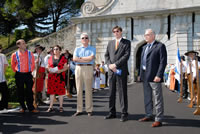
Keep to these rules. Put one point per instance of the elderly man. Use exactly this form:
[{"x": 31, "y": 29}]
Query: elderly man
[
  {"x": 23, "y": 63},
  {"x": 84, "y": 58},
  {"x": 153, "y": 63}
]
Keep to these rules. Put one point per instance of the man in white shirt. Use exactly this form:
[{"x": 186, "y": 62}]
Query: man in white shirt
[
  {"x": 191, "y": 74},
  {"x": 3, "y": 84}
]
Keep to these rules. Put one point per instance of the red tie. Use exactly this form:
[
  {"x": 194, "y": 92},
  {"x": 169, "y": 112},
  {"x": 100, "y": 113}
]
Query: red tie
[{"x": 116, "y": 44}]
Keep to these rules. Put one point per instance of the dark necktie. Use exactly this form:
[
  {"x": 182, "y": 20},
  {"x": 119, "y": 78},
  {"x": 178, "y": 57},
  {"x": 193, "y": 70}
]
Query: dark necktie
[{"x": 145, "y": 56}]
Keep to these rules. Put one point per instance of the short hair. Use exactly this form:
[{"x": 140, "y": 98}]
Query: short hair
[
  {"x": 183, "y": 58},
  {"x": 83, "y": 35},
  {"x": 152, "y": 31},
  {"x": 118, "y": 28},
  {"x": 50, "y": 50},
  {"x": 18, "y": 42}
]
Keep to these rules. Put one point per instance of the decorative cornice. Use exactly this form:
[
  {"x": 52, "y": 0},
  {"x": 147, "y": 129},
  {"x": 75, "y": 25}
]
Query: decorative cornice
[
  {"x": 90, "y": 9},
  {"x": 162, "y": 12}
]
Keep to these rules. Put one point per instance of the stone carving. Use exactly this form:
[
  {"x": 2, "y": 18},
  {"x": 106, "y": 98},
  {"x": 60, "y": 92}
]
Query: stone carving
[{"x": 95, "y": 7}]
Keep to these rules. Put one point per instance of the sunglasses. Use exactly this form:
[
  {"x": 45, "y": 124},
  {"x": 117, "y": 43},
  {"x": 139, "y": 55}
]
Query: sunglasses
[
  {"x": 55, "y": 49},
  {"x": 117, "y": 31},
  {"x": 84, "y": 38}
]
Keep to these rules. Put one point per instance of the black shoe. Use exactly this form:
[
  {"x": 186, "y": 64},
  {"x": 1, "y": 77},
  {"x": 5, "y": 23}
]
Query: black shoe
[
  {"x": 124, "y": 118},
  {"x": 110, "y": 116}
]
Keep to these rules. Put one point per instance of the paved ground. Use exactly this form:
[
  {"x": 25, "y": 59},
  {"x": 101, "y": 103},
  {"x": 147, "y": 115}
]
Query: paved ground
[{"x": 178, "y": 118}]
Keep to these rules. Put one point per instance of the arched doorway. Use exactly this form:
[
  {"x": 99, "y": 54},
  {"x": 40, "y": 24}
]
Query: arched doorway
[{"x": 138, "y": 59}]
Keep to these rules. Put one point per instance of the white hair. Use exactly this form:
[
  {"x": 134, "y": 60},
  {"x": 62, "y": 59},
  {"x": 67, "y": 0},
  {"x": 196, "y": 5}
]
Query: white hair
[
  {"x": 84, "y": 34},
  {"x": 151, "y": 30}
]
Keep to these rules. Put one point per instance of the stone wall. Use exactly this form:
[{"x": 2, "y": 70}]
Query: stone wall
[{"x": 65, "y": 38}]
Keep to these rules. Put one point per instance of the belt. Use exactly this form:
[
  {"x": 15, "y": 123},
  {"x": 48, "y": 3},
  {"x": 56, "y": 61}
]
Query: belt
[{"x": 84, "y": 64}]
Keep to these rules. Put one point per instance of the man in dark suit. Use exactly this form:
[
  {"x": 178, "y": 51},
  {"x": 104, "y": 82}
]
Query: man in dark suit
[
  {"x": 116, "y": 56},
  {"x": 153, "y": 63}
]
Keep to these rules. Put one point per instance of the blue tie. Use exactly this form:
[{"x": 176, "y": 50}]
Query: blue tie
[{"x": 145, "y": 56}]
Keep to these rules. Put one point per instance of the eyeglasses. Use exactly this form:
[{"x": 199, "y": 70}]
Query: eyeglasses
[
  {"x": 147, "y": 35},
  {"x": 55, "y": 49},
  {"x": 117, "y": 31},
  {"x": 84, "y": 38}
]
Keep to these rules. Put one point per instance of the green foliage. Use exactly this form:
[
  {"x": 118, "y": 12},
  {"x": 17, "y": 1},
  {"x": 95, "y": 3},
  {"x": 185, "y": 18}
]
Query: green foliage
[
  {"x": 4, "y": 40},
  {"x": 10, "y": 77},
  {"x": 27, "y": 34}
]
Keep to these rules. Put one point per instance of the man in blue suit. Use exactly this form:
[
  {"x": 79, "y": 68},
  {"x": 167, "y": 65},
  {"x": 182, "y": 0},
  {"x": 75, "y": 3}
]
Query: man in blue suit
[{"x": 153, "y": 63}]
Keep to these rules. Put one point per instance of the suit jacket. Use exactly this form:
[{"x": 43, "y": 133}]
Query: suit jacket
[
  {"x": 119, "y": 57},
  {"x": 156, "y": 62}
]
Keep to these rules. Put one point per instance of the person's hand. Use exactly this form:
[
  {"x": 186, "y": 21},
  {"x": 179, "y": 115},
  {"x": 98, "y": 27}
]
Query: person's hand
[
  {"x": 66, "y": 66},
  {"x": 157, "y": 79},
  {"x": 36, "y": 61},
  {"x": 113, "y": 67}
]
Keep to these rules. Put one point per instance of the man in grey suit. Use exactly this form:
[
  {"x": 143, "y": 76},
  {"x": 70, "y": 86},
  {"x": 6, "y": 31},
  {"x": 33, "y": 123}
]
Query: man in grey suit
[
  {"x": 116, "y": 56},
  {"x": 153, "y": 63}
]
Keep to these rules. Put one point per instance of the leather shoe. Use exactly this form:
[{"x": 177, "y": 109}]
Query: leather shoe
[
  {"x": 124, "y": 118},
  {"x": 145, "y": 119},
  {"x": 22, "y": 111},
  {"x": 89, "y": 113},
  {"x": 78, "y": 113},
  {"x": 110, "y": 116},
  {"x": 156, "y": 124},
  {"x": 34, "y": 111}
]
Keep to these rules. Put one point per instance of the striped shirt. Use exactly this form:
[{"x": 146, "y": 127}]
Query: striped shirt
[{"x": 23, "y": 61}]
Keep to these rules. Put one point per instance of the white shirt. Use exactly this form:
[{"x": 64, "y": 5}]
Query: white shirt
[
  {"x": 41, "y": 60},
  {"x": 193, "y": 68},
  {"x": 184, "y": 66},
  {"x": 46, "y": 58},
  {"x": 3, "y": 62}
]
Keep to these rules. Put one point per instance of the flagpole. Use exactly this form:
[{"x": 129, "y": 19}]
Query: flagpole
[{"x": 181, "y": 76}]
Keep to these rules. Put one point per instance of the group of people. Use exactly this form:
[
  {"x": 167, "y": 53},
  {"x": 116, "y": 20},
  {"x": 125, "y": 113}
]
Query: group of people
[
  {"x": 153, "y": 62},
  {"x": 189, "y": 72},
  {"x": 100, "y": 76}
]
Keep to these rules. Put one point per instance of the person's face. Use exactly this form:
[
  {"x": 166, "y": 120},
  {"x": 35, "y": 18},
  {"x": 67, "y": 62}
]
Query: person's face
[
  {"x": 85, "y": 40},
  {"x": 22, "y": 45},
  {"x": 191, "y": 55},
  {"x": 117, "y": 33},
  {"x": 149, "y": 36},
  {"x": 56, "y": 50},
  {"x": 38, "y": 50}
]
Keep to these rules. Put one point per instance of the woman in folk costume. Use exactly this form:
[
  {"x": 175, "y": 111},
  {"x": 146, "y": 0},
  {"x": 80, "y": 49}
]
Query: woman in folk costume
[
  {"x": 172, "y": 78},
  {"x": 38, "y": 75},
  {"x": 97, "y": 77},
  {"x": 57, "y": 65},
  {"x": 102, "y": 75}
]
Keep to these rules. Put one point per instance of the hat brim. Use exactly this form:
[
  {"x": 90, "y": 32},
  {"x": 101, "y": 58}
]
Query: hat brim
[{"x": 194, "y": 52}]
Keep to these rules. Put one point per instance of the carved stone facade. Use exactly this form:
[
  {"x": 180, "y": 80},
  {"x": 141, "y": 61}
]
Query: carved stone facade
[{"x": 176, "y": 23}]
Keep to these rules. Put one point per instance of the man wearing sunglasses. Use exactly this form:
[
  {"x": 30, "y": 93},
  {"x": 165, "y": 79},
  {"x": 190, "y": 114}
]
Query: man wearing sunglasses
[
  {"x": 84, "y": 58},
  {"x": 116, "y": 56}
]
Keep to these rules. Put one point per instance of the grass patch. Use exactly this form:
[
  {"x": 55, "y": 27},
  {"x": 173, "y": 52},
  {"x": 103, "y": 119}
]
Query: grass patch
[
  {"x": 4, "y": 40},
  {"x": 13, "y": 104}
]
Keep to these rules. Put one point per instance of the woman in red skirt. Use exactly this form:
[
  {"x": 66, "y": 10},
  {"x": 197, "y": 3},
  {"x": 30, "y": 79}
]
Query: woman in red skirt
[{"x": 57, "y": 65}]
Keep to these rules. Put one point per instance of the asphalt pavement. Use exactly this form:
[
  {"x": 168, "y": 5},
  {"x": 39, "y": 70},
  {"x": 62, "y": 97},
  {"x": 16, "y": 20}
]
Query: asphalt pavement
[{"x": 178, "y": 118}]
